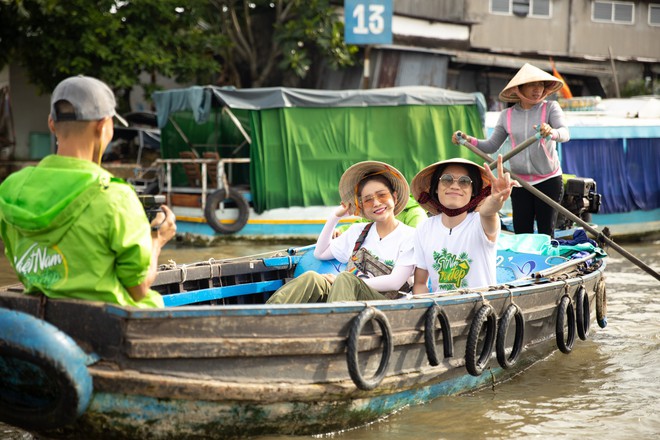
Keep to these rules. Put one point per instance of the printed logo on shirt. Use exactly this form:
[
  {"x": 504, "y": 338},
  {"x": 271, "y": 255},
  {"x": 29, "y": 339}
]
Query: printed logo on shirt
[
  {"x": 451, "y": 269},
  {"x": 41, "y": 265}
]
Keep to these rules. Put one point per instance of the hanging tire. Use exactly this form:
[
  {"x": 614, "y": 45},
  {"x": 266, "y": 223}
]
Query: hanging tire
[
  {"x": 512, "y": 312},
  {"x": 44, "y": 381},
  {"x": 432, "y": 314},
  {"x": 217, "y": 199},
  {"x": 601, "y": 304},
  {"x": 476, "y": 365},
  {"x": 582, "y": 313},
  {"x": 565, "y": 316},
  {"x": 352, "y": 349}
]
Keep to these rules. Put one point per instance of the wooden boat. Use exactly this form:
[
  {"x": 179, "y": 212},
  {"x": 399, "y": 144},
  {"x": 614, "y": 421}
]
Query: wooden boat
[{"x": 218, "y": 363}]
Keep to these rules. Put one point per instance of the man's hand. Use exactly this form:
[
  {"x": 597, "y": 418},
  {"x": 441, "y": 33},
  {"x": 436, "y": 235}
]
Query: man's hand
[
  {"x": 500, "y": 188},
  {"x": 166, "y": 223}
]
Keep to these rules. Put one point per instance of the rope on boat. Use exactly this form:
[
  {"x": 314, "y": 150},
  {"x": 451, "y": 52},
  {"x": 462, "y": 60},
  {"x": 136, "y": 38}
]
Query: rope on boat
[
  {"x": 484, "y": 300},
  {"x": 212, "y": 265},
  {"x": 184, "y": 273}
]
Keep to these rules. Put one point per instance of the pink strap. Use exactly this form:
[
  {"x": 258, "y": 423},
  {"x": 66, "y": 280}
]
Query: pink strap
[
  {"x": 542, "y": 141},
  {"x": 508, "y": 127}
]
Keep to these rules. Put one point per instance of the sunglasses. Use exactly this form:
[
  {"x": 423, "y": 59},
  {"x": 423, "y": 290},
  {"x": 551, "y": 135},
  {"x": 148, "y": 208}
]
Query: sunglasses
[
  {"x": 464, "y": 182},
  {"x": 382, "y": 196}
]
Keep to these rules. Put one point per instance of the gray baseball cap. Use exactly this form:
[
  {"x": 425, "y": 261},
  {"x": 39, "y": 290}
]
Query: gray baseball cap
[{"x": 91, "y": 99}]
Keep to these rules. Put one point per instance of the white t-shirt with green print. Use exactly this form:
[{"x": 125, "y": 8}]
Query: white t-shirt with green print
[{"x": 457, "y": 258}]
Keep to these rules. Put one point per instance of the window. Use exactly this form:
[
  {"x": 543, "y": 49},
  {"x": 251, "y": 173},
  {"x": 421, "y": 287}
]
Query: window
[
  {"x": 521, "y": 8},
  {"x": 613, "y": 12},
  {"x": 541, "y": 8},
  {"x": 654, "y": 15},
  {"x": 500, "y": 6}
]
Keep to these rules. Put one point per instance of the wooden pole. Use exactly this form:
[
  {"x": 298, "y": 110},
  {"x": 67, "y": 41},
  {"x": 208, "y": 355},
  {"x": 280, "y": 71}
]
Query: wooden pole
[
  {"x": 366, "y": 72},
  {"x": 616, "y": 79},
  {"x": 568, "y": 214}
]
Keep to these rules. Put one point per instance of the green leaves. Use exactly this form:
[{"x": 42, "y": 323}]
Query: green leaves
[{"x": 246, "y": 43}]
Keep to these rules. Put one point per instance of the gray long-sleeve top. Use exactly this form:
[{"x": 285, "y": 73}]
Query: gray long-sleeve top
[{"x": 539, "y": 161}]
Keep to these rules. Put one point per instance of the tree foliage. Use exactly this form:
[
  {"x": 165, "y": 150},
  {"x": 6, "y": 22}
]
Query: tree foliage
[
  {"x": 114, "y": 40},
  {"x": 278, "y": 41},
  {"x": 230, "y": 42}
]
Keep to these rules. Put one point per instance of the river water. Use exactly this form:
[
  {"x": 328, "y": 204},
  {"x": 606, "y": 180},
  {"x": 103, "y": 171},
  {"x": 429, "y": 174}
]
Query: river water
[{"x": 608, "y": 387}]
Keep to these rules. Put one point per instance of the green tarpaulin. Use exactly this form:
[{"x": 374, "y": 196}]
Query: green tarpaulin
[{"x": 303, "y": 140}]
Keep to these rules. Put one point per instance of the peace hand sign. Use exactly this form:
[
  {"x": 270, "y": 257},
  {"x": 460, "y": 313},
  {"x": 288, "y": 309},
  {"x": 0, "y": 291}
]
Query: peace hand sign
[{"x": 500, "y": 188}]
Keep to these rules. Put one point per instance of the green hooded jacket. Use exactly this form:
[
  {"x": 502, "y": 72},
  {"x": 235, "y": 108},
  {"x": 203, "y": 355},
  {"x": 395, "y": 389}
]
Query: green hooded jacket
[{"x": 72, "y": 230}]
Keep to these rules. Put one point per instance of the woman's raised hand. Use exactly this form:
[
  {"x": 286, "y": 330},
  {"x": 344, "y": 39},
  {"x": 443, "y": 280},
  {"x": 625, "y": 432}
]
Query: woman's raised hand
[{"x": 343, "y": 210}]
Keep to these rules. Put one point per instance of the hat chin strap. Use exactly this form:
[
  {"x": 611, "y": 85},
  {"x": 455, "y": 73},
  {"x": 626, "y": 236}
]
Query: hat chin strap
[
  {"x": 426, "y": 198},
  {"x": 526, "y": 100}
]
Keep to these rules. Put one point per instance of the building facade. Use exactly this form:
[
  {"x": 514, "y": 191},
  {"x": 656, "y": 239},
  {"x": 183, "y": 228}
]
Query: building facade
[{"x": 598, "y": 46}]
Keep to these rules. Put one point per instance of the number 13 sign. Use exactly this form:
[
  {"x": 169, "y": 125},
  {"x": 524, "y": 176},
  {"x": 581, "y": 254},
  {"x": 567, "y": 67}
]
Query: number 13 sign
[{"x": 368, "y": 21}]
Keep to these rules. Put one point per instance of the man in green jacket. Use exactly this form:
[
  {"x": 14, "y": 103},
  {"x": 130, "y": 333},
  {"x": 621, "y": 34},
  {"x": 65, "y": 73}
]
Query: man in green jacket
[{"x": 71, "y": 229}]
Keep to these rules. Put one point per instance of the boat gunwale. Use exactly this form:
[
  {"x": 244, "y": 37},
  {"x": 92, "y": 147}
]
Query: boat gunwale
[{"x": 460, "y": 297}]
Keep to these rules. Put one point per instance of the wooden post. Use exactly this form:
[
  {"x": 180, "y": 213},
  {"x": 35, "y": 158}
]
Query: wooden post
[
  {"x": 616, "y": 80},
  {"x": 366, "y": 72}
]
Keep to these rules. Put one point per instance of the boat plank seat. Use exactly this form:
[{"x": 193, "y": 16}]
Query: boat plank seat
[
  {"x": 192, "y": 170},
  {"x": 214, "y": 293},
  {"x": 212, "y": 169}
]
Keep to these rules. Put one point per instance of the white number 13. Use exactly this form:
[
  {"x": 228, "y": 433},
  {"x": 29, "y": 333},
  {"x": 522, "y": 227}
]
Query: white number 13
[{"x": 376, "y": 21}]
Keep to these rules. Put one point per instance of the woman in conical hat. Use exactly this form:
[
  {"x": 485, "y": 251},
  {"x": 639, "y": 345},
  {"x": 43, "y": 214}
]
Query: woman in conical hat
[
  {"x": 456, "y": 247},
  {"x": 539, "y": 163},
  {"x": 378, "y": 192}
]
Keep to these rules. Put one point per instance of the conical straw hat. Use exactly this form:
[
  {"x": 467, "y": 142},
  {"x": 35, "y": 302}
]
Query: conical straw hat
[
  {"x": 353, "y": 176},
  {"x": 528, "y": 74},
  {"x": 422, "y": 181}
]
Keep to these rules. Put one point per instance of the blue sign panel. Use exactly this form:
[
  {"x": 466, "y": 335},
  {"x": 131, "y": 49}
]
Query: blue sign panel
[{"x": 368, "y": 21}]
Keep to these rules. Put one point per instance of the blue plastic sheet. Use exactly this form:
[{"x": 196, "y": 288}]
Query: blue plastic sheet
[{"x": 626, "y": 173}]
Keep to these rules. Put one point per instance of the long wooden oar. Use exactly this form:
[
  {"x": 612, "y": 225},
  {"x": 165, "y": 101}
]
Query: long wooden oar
[
  {"x": 565, "y": 212},
  {"x": 519, "y": 148}
]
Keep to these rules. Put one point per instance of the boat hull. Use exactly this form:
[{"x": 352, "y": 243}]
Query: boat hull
[{"x": 245, "y": 368}]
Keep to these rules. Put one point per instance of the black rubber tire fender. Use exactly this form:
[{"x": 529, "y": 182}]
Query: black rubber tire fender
[
  {"x": 485, "y": 316},
  {"x": 582, "y": 313},
  {"x": 58, "y": 387},
  {"x": 352, "y": 349},
  {"x": 433, "y": 314},
  {"x": 213, "y": 202},
  {"x": 565, "y": 315},
  {"x": 601, "y": 303},
  {"x": 513, "y": 312}
]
